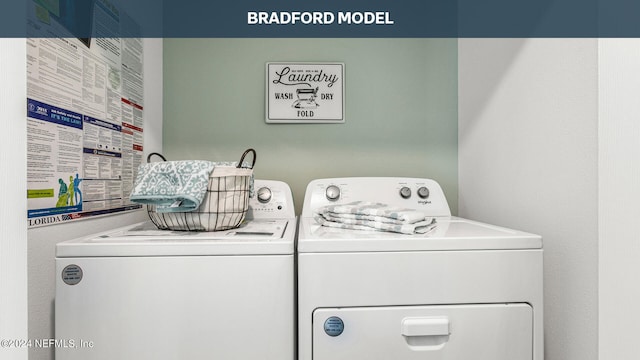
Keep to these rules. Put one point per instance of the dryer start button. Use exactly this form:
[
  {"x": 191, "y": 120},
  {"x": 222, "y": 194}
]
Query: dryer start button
[{"x": 333, "y": 326}]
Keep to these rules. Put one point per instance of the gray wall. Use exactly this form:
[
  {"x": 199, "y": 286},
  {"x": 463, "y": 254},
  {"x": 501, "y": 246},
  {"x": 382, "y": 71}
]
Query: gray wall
[
  {"x": 401, "y": 109},
  {"x": 529, "y": 160}
]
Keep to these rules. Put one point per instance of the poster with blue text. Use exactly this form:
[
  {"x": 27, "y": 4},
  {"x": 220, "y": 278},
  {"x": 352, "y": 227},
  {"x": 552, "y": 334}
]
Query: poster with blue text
[{"x": 84, "y": 114}]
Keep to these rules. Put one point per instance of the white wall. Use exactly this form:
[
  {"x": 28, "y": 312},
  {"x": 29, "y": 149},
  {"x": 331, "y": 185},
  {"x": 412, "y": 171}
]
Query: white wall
[
  {"x": 41, "y": 241},
  {"x": 619, "y": 193},
  {"x": 528, "y": 159},
  {"x": 13, "y": 207}
]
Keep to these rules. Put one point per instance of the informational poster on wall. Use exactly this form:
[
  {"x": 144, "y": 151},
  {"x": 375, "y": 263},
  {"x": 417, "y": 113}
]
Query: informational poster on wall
[
  {"x": 84, "y": 116},
  {"x": 305, "y": 93}
]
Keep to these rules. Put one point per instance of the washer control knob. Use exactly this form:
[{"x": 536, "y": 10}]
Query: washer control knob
[
  {"x": 264, "y": 195},
  {"x": 405, "y": 192},
  {"x": 423, "y": 192},
  {"x": 332, "y": 193}
]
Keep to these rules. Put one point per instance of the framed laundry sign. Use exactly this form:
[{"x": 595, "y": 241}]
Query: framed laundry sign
[{"x": 305, "y": 92}]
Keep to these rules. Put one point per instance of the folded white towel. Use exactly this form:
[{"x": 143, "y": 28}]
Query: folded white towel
[{"x": 360, "y": 215}]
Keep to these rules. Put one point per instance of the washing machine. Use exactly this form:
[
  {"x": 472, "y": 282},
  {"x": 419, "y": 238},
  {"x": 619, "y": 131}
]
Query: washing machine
[
  {"x": 465, "y": 290},
  {"x": 142, "y": 293}
]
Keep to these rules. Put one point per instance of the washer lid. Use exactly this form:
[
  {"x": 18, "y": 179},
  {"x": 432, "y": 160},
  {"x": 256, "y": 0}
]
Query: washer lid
[
  {"x": 254, "y": 237},
  {"x": 451, "y": 233}
]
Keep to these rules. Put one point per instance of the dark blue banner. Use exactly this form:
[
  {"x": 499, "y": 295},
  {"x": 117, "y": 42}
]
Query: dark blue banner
[
  {"x": 327, "y": 18},
  {"x": 53, "y": 211},
  {"x": 101, "y": 153},
  {"x": 53, "y": 114},
  {"x": 102, "y": 123}
]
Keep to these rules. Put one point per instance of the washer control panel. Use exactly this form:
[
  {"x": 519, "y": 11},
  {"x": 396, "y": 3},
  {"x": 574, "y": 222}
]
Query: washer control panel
[
  {"x": 264, "y": 195},
  {"x": 271, "y": 200},
  {"x": 424, "y": 195}
]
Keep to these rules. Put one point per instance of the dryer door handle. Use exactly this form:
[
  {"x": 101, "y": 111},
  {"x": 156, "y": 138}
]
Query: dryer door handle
[
  {"x": 426, "y": 333},
  {"x": 425, "y": 326}
]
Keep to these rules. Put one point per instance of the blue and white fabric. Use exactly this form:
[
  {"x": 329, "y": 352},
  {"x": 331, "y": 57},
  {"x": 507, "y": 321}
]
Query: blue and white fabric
[
  {"x": 172, "y": 186},
  {"x": 361, "y": 215}
]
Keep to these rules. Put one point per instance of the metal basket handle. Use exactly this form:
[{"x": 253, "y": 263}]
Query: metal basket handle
[
  {"x": 155, "y": 153},
  {"x": 253, "y": 152}
]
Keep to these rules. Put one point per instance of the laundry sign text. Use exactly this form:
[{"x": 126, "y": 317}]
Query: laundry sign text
[{"x": 304, "y": 92}]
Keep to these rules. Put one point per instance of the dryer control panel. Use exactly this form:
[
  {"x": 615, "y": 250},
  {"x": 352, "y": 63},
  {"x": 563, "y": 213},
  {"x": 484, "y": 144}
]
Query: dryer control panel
[{"x": 424, "y": 195}]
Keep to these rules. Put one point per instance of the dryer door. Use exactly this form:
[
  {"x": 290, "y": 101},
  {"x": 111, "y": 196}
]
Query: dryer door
[{"x": 442, "y": 332}]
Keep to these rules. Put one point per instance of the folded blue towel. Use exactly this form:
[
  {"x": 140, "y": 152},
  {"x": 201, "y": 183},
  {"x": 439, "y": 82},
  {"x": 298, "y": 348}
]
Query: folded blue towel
[{"x": 172, "y": 186}]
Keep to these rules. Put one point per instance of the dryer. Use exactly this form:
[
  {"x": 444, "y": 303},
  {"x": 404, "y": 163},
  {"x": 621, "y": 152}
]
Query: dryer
[
  {"x": 142, "y": 293},
  {"x": 465, "y": 290}
]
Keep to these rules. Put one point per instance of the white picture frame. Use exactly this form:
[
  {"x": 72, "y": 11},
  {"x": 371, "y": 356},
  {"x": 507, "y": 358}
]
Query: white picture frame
[{"x": 304, "y": 92}]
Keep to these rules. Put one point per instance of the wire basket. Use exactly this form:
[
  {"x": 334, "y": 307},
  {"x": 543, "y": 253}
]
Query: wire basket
[{"x": 224, "y": 206}]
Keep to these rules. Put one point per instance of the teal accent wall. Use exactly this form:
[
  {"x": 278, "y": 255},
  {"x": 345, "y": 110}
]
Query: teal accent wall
[{"x": 400, "y": 109}]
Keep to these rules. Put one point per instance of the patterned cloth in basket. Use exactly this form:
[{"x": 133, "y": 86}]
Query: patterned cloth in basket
[{"x": 172, "y": 186}]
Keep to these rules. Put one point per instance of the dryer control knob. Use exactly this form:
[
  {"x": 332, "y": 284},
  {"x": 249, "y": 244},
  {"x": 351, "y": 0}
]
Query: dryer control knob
[
  {"x": 423, "y": 192},
  {"x": 332, "y": 193},
  {"x": 264, "y": 195},
  {"x": 405, "y": 192}
]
